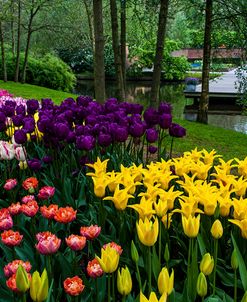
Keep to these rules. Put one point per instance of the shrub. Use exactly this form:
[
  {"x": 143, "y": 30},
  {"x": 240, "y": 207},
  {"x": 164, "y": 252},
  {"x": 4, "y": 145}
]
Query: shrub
[{"x": 49, "y": 71}]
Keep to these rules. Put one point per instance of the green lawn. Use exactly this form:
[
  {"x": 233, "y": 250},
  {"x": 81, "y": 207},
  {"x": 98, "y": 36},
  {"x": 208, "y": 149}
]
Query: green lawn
[
  {"x": 228, "y": 143},
  {"x": 28, "y": 91}
]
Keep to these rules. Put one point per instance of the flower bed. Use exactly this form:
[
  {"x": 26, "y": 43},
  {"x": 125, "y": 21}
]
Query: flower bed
[{"x": 91, "y": 221}]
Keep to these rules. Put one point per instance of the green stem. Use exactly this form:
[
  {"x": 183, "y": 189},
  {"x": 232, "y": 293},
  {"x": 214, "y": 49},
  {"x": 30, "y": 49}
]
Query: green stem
[
  {"x": 171, "y": 148},
  {"x": 123, "y": 298},
  {"x": 189, "y": 268},
  {"x": 113, "y": 287},
  {"x": 235, "y": 285},
  {"x": 96, "y": 289},
  {"x": 149, "y": 271},
  {"x": 139, "y": 277},
  {"x": 215, "y": 263},
  {"x": 202, "y": 299},
  {"x": 160, "y": 228},
  {"x": 109, "y": 288}
]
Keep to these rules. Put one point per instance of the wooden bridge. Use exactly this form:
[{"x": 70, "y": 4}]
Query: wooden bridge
[{"x": 223, "y": 93}]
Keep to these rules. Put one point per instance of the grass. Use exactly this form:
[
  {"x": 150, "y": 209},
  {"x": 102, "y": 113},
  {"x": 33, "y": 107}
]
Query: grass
[
  {"x": 28, "y": 91},
  {"x": 228, "y": 143}
]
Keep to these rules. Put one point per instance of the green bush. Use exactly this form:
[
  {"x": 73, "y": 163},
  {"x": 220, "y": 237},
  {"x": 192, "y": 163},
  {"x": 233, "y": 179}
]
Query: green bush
[{"x": 48, "y": 71}]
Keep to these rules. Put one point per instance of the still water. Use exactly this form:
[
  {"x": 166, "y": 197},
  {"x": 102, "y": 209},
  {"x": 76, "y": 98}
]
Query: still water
[{"x": 139, "y": 92}]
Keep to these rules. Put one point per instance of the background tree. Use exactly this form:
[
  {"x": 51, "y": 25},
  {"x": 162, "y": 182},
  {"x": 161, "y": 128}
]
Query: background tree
[
  {"x": 159, "y": 51},
  {"x": 99, "y": 68}
]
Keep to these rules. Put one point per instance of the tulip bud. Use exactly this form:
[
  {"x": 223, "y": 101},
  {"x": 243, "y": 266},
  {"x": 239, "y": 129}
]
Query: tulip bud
[
  {"x": 39, "y": 286},
  {"x": 22, "y": 281},
  {"x": 124, "y": 281},
  {"x": 134, "y": 252},
  {"x": 217, "y": 229},
  {"x": 201, "y": 285},
  {"x": 234, "y": 260},
  {"x": 207, "y": 264},
  {"x": 167, "y": 253},
  {"x": 23, "y": 165},
  {"x": 165, "y": 282},
  {"x": 244, "y": 299}
]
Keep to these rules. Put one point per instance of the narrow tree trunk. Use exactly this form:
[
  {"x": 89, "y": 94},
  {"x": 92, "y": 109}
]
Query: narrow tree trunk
[
  {"x": 123, "y": 41},
  {"x": 202, "y": 116},
  {"x": 24, "y": 70},
  {"x": 4, "y": 68},
  {"x": 116, "y": 50},
  {"x": 90, "y": 25},
  {"x": 12, "y": 29},
  {"x": 18, "y": 50},
  {"x": 99, "y": 65},
  {"x": 159, "y": 52}
]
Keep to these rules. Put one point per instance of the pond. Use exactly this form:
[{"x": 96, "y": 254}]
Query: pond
[{"x": 139, "y": 92}]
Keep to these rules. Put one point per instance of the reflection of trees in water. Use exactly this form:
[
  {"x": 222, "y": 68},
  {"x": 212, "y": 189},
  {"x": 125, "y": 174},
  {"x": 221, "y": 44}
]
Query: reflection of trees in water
[
  {"x": 139, "y": 92},
  {"x": 234, "y": 122}
]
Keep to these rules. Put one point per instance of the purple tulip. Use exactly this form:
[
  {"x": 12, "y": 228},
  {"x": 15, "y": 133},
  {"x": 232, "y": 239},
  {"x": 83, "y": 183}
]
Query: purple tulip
[
  {"x": 104, "y": 139},
  {"x": 151, "y": 116},
  {"x": 2, "y": 117},
  {"x": 165, "y": 120},
  {"x": 84, "y": 100},
  {"x": 17, "y": 120},
  {"x": 34, "y": 164},
  {"x": 152, "y": 135},
  {"x": 20, "y": 110},
  {"x": 85, "y": 142},
  {"x": 176, "y": 130},
  {"x": 29, "y": 124},
  {"x": 20, "y": 136},
  {"x": 137, "y": 129},
  {"x": 152, "y": 149},
  {"x": 61, "y": 130},
  {"x": 165, "y": 108},
  {"x": 47, "y": 159},
  {"x": 32, "y": 106}
]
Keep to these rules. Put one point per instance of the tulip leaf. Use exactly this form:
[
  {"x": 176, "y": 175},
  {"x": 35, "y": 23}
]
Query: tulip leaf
[
  {"x": 226, "y": 278},
  {"x": 156, "y": 267},
  {"x": 50, "y": 292},
  {"x": 201, "y": 244},
  {"x": 242, "y": 267}
]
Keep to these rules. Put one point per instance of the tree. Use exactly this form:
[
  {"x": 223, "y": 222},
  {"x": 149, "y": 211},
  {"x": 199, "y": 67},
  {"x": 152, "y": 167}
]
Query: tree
[
  {"x": 3, "y": 52},
  {"x": 159, "y": 51},
  {"x": 202, "y": 116},
  {"x": 18, "y": 49},
  {"x": 116, "y": 50},
  {"x": 99, "y": 68}
]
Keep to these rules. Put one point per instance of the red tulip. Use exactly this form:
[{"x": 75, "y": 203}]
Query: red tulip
[
  {"x": 73, "y": 286},
  {"x": 75, "y": 242},
  {"x": 11, "y": 238},
  {"x": 90, "y": 232}
]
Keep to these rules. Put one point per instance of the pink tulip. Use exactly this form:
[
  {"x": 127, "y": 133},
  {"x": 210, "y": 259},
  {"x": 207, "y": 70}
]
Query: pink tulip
[
  {"x": 10, "y": 184},
  {"x": 6, "y": 221},
  {"x": 46, "y": 192},
  {"x": 48, "y": 243}
]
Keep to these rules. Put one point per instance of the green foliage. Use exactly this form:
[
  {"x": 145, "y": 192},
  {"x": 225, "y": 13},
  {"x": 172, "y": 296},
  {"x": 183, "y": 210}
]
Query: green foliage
[
  {"x": 241, "y": 84},
  {"x": 174, "y": 67},
  {"x": 48, "y": 71}
]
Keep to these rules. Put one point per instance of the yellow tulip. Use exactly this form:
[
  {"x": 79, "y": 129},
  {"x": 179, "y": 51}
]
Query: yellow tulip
[
  {"x": 167, "y": 220},
  {"x": 99, "y": 167},
  {"x": 240, "y": 208},
  {"x": 165, "y": 282},
  {"x": 109, "y": 259},
  {"x": 147, "y": 231},
  {"x": 153, "y": 298},
  {"x": 242, "y": 224},
  {"x": 207, "y": 264},
  {"x": 161, "y": 207},
  {"x": 201, "y": 285},
  {"x": 191, "y": 225},
  {"x": 100, "y": 184},
  {"x": 144, "y": 209},
  {"x": 124, "y": 281},
  {"x": 217, "y": 229},
  {"x": 22, "y": 281},
  {"x": 39, "y": 286},
  {"x": 120, "y": 198}
]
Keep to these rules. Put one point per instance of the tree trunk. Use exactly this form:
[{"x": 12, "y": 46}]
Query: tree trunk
[
  {"x": 159, "y": 52},
  {"x": 202, "y": 116},
  {"x": 99, "y": 65},
  {"x": 90, "y": 25},
  {"x": 4, "y": 68},
  {"x": 116, "y": 50},
  {"x": 17, "y": 65},
  {"x": 29, "y": 33},
  {"x": 123, "y": 41},
  {"x": 12, "y": 29}
]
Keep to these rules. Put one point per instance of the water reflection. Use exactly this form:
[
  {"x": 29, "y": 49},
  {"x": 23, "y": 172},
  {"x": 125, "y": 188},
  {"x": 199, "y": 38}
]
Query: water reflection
[{"x": 172, "y": 93}]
